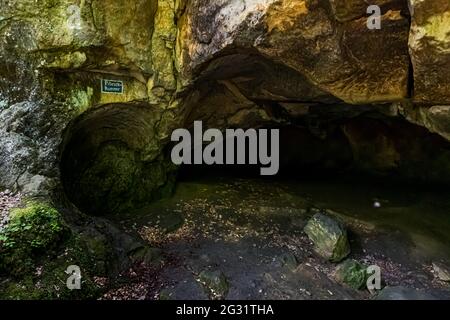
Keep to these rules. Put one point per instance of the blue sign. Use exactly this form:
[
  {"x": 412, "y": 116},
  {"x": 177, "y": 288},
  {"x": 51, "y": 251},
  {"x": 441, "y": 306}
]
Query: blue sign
[{"x": 112, "y": 86}]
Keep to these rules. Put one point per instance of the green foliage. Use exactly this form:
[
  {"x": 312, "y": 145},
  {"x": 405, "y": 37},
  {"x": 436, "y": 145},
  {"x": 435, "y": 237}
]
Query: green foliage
[
  {"x": 36, "y": 229},
  {"x": 36, "y": 247}
]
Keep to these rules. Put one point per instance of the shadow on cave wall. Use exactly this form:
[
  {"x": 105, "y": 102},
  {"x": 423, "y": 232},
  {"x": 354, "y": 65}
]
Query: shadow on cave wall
[{"x": 110, "y": 161}]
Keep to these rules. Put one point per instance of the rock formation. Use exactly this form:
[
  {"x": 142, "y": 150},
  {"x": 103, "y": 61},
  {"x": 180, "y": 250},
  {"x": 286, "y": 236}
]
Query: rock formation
[{"x": 248, "y": 63}]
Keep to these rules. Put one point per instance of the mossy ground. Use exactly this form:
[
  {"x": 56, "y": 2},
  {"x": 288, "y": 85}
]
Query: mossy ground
[
  {"x": 32, "y": 231},
  {"x": 37, "y": 247}
]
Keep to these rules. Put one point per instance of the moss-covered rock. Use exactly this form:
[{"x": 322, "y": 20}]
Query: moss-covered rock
[
  {"x": 37, "y": 247},
  {"x": 352, "y": 273},
  {"x": 32, "y": 231},
  {"x": 329, "y": 237},
  {"x": 48, "y": 279}
]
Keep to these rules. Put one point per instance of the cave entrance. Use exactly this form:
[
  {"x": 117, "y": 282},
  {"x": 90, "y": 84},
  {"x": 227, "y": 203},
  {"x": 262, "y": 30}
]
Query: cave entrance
[
  {"x": 320, "y": 135},
  {"x": 110, "y": 161},
  {"x": 245, "y": 90},
  {"x": 370, "y": 145},
  {"x": 301, "y": 154},
  {"x": 113, "y": 160}
]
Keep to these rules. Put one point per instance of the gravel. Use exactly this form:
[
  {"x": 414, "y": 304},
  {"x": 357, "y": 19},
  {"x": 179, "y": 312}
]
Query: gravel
[{"x": 8, "y": 200}]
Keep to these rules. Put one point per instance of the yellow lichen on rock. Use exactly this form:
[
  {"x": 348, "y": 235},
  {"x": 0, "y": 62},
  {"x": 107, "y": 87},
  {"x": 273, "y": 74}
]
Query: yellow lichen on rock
[{"x": 282, "y": 15}]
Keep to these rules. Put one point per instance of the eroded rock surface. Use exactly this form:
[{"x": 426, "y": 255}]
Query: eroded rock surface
[
  {"x": 53, "y": 58},
  {"x": 251, "y": 63},
  {"x": 430, "y": 51},
  {"x": 344, "y": 59}
]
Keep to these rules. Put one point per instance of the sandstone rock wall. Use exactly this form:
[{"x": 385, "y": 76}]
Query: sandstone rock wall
[
  {"x": 53, "y": 57},
  {"x": 229, "y": 62},
  {"x": 429, "y": 45}
]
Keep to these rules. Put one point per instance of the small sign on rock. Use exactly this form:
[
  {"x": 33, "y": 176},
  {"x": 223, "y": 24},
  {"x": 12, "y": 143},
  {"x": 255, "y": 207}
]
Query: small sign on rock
[{"x": 112, "y": 86}]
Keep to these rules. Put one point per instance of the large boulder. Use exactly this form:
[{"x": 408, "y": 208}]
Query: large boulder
[{"x": 329, "y": 237}]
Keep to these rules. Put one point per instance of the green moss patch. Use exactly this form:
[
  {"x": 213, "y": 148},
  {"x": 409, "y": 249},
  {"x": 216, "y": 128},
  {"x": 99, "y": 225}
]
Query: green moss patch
[
  {"x": 36, "y": 229},
  {"x": 37, "y": 247},
  {"x": 352, "y": 273}
]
